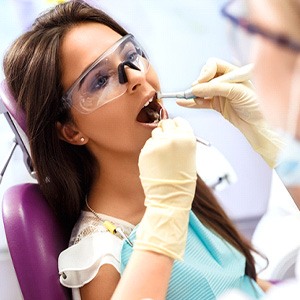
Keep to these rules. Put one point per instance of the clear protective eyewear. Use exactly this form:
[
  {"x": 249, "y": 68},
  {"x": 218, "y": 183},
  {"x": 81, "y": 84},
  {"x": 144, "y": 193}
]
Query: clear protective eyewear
[
  {"x": 242, "y": 31},
  {"x": 105, "y": 79}
]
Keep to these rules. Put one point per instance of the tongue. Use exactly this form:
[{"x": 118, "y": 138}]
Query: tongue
[
  {"x": 147, "y": 115},
  {"x": 143, "y": 116}
]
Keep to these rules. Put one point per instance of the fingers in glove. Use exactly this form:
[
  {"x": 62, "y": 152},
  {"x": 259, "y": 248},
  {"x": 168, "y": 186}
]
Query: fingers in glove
[
  {"x": 195, "y": 103},
  {"x": 163, "y": 128},
  {"x": 172, "y": 127},
  {"x": 231, "y": 91},
  {"x": 182, "y": 125},
  {"x": 189, "y": 103},
  {"x": 214, "y": 67},
  {"x": 167, "y": 126}
]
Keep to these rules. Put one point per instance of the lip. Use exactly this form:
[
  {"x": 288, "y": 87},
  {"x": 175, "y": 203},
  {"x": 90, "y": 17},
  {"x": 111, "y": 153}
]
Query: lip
[
  {"x": 164, "y": 114},
  {"x": 147, "y": 98}
]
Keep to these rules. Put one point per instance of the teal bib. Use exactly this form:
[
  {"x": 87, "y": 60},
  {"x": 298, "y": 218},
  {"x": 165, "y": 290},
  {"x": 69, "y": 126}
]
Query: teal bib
[{"x": 211, "y": 267}]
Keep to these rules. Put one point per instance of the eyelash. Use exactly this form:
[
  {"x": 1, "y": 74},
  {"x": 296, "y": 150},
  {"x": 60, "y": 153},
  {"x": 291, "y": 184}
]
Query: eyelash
[
  {"x": 131, "y": 55},
  {"x": 100, "y": 78},
  {"x": 135, "y": 54}
]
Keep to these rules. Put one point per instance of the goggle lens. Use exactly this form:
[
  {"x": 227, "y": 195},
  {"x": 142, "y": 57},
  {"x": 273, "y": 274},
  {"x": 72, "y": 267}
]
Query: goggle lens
[{"x": 101, "y": 83}]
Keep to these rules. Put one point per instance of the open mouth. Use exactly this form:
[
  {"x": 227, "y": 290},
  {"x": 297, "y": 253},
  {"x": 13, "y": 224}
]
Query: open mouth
[{"x": 151, "y": 112}]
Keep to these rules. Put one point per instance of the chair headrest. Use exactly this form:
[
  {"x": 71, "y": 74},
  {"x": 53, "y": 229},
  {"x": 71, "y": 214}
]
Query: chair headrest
[
  {"x": 16, "y": 119},
  {"x": 11, "y": 105}
]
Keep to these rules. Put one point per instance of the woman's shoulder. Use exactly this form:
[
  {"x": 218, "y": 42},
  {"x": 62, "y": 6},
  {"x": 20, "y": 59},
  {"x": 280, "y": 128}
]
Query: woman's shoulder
[{"x": 91, "y": 246}]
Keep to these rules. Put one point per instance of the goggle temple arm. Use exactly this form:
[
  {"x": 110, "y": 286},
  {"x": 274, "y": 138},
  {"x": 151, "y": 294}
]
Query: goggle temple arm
[{"x": 121, "y": 70}]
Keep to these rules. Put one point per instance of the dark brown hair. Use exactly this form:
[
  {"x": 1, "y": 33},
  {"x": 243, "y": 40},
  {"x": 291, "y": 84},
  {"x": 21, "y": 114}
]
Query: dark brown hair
[
  {"x": 33, "y": 73},
  {"x": 65, "y": 172}
]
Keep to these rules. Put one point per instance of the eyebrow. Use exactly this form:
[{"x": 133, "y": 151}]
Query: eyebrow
[
  {"x": 81, "y": 82},
  {"x": 86, "y": 70}
]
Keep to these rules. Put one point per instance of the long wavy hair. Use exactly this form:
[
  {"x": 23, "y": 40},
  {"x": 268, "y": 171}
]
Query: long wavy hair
[{"x": 65, "y": 172}]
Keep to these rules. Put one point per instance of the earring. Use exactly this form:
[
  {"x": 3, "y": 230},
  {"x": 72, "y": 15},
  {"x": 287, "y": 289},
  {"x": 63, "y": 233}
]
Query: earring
[{"x": 82, "y": 139}]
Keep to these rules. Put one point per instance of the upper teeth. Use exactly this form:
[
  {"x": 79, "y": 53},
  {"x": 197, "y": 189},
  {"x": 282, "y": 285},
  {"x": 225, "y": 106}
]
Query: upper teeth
[{"x": 147, "y": 103}]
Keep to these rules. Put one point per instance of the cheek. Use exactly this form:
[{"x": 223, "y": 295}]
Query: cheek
[
  {"x": 272, "y": 77},
  {"x": 103, "y": 120},
  {"x": 112, "y": 126}
]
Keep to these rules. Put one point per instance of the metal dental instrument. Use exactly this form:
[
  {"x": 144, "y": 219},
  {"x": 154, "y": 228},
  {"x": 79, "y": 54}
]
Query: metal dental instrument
[
  {"x": 187, "y": 94},
  {"x": 160, "y": 114},
  {"x": 238, "y": 75},
  {"x": 202, "y": 141}
]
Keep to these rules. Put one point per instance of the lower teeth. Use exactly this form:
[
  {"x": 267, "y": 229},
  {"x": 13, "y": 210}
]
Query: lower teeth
[{"x": 153, "y": 115}]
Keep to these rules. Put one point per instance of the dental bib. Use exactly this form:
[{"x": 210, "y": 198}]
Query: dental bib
[{"x": 210, "y": 268}]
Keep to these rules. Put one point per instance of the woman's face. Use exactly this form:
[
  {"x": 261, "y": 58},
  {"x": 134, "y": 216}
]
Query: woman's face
[
  {"x": 274, "y": 65},
  {"x": 121, "y": 125}
]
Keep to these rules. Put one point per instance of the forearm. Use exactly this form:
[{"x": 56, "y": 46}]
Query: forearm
[
  {"x": 264, "y": 285},
  {"x": 169, "y": 191},
  {"x": 146, "y": 276}
]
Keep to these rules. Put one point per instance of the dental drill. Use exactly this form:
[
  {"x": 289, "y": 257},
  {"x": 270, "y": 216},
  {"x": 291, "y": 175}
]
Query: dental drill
[{"x": 238, "y": 75}]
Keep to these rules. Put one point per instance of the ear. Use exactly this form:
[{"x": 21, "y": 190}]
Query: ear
[{"x": 69, "y": 133}]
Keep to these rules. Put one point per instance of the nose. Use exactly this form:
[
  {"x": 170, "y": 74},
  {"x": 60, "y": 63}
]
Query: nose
[
  {"x": 121, "y": 70},
  {"x": 131, "y": 74}
]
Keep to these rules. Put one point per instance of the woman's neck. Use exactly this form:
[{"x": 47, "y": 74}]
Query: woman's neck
[{"x": 117, "y": 189}]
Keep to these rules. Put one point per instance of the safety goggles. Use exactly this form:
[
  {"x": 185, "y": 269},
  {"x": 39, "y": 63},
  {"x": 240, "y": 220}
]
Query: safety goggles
[
  {"x": 105, "y": 79},
  {"x": 242, "y": 31}
]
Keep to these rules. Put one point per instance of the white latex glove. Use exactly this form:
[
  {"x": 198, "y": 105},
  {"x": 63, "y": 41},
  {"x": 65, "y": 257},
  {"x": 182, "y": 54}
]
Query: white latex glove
[
  {"x": 167, "y": 166},
  {"x": 237, "y": 102}
]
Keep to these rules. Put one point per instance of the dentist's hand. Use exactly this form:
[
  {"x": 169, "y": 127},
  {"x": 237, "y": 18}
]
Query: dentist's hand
[
  {"x": 237, "y": 102},
  {"x": 167, "y": 166}
]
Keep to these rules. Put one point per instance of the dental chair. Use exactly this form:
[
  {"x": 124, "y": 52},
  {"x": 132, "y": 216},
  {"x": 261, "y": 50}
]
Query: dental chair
[{"x": 34, "y": 235}]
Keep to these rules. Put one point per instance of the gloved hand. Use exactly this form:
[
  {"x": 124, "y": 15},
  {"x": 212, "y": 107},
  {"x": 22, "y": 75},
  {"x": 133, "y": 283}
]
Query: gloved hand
[
  {"x": 167, "y": 166},
  {"x": 237, "y": 102}
]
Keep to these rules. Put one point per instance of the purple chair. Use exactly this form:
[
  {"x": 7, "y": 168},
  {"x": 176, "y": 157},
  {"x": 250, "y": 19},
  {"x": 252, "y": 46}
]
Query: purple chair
[
  {"x": 34, "y": 235},
  {"x": 35, "y": 240}
]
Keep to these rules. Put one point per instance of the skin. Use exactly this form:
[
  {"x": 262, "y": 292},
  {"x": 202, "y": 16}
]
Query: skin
[
  {"x": 274, "y": 65},
  {"x": 117, "y": 156},
  {"x": 276, "y": 68},
  {"x": 115, "y": 138},
  {"x": 264, "y": 285}
]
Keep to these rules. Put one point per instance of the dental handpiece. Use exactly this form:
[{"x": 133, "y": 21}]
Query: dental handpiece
[{"x": 239, "y": 75}]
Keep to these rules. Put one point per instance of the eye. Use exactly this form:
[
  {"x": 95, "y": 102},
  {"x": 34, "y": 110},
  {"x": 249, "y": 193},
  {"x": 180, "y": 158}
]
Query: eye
[
  {"x": 99, "y": 82},
  {"x": 132, "y": 56}
]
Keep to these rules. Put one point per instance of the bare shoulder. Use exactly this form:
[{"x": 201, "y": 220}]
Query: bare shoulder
[{"x": 103, "y": 285}]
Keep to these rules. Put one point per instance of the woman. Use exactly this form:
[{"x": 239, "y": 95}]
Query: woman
[{"x": 89, "y": 94}]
